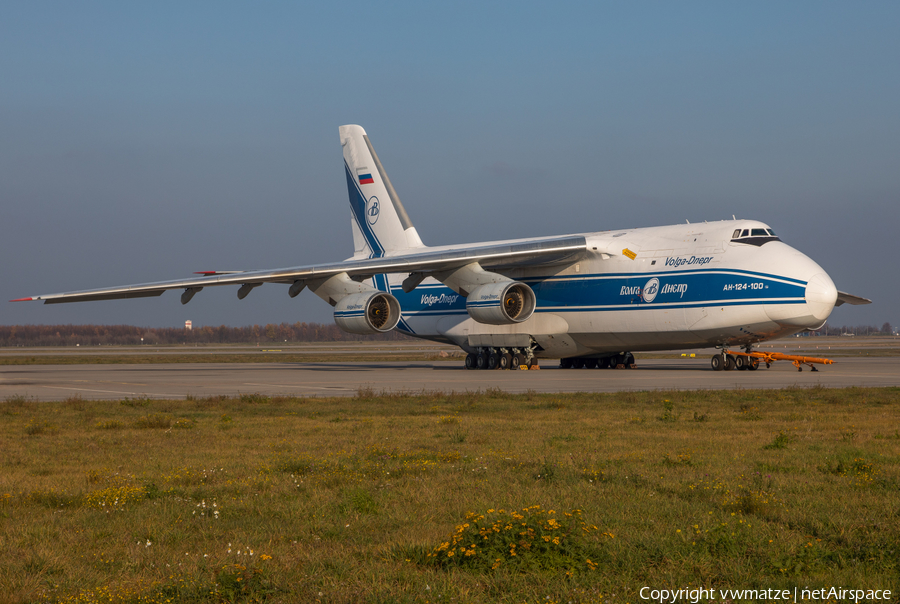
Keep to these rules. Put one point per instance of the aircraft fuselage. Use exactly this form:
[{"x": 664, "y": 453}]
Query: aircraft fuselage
[{"x": 659, "y": 288}]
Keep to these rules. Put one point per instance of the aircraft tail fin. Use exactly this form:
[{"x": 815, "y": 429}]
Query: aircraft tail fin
[{"x": 379, "y": 221}]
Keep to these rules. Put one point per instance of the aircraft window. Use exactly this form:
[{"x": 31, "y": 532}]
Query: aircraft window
[
  {"x": 746, "y": 233},
  {"x": 737, "y": 233},
  {"x": 759, "y": 233},
  {"x": 772, "y": 233}
]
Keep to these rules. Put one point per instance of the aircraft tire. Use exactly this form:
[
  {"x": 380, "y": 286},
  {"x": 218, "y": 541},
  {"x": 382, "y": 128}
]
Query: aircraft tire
[
  {"x": 493, "y": 361},
  {"x": 577, "y": 363},
  {"x": 740, "y": 362},
  {"x": 590, "y": 363},
  {"x": 629, "y": 360},
  {"x": 481, "y": 361},
  {"x": 504, "y": 361},
  {"x": 616, "y": 361},
  {"x": 717, "y": 362},
  {"x": 565, "y": 363},
  {"x": 729, "y": 362},
  {"x": 753, "y": 365},
  {"x": 603, "y": 363},
  {"x": 471, "y": 361},
  {"x": 517, "y": 360}
]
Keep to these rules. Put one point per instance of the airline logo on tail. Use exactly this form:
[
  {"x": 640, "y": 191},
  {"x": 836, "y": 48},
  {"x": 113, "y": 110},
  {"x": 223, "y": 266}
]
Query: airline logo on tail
[{"x": 373, "y": 208}]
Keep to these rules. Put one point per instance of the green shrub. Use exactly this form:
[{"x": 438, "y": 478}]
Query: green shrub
[
  {"x": 668, "y": 414},
  {"x": 781, "y": 441},
  {"x": 530, "y": 539}
]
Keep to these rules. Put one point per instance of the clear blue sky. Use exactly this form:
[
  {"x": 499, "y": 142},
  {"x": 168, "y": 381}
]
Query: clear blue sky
[{"x": 144, "y": 141}]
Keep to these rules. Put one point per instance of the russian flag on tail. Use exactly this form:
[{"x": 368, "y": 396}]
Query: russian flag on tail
[{"x": 365, "y": 177}]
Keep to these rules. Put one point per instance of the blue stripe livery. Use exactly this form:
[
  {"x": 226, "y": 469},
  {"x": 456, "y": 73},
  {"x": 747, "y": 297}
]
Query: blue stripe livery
[
  {"x": 623, "y": 292},
  {"x": 358, "y": 205}
]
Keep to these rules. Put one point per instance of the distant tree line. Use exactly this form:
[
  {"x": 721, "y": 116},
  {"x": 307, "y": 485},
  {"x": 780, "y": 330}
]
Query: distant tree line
[
  {"x": 858, "y": 330},
  {"x": 94, "y": 335}
]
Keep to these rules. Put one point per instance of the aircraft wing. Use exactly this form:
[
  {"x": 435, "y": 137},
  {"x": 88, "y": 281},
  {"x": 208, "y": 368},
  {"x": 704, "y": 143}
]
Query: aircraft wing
[
  {"x": 496, "y": 257},
  {"x": 845, "y": 298}
]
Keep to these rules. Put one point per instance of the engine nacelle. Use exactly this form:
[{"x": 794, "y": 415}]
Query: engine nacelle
[
  {"x": 501, "y": 303},
  {"x": 367, "y": 313}
]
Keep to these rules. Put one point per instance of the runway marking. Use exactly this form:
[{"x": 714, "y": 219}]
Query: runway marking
[
  {"x": 106, "y": 382},
  {"x": 301, "y": 386},
  {"x": 114, "y": 391}
]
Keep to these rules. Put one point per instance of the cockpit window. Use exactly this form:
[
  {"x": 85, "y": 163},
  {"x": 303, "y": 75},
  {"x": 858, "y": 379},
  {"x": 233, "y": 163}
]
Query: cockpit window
[{"x": 755, "y": 237}]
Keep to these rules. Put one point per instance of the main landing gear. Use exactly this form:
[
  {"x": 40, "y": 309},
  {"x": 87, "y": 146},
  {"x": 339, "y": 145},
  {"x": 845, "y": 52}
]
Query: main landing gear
[
  {"x": 617, "y": 361},
  {"x": 501, "y": 358}
]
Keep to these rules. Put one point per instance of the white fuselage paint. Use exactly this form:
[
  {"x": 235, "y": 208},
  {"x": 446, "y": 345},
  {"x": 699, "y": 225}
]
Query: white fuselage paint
[{"x": 687, "y": 286}]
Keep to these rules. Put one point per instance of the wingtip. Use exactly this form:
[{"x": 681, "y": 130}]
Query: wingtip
[{"x": 23, "y": 299}]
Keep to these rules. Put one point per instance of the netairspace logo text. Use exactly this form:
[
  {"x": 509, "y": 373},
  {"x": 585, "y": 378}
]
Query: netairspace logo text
[{"x": 700, "y": 594}]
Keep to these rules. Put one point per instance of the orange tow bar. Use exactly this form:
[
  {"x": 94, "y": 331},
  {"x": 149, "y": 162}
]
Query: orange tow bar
[{"x": 770, "y": 357}]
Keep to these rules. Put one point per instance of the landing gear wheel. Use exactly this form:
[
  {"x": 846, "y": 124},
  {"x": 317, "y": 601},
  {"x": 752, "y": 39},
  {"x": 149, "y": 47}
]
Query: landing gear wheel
[
  {"x": 603, "y": 363},
  {"x": 504, "y": 361},
  {"x": 481, "y": 361},
  {"x": 740, "y": 362},
  {"x": 590, "y": 363},
  {"x": 578, "y": 363},
  {"x": 565, "y": 363},
  {"x": 753, "y": 365},
  {"x": 517, "y": 360},
  {"x": 493, "y": 361},
  {"x": 616, "y": 361},
  {"x": 729, "y": 362},
  {"x": 717, "y": 362},
  {"x": 471, "y": 361},
  {"x": 628, "y": 361}
]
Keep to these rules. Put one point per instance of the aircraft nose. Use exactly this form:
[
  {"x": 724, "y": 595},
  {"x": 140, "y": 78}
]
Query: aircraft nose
[{"x": 821, "y": 294}]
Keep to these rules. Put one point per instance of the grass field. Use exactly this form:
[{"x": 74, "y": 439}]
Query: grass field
[{"x": 472, "y": 497}]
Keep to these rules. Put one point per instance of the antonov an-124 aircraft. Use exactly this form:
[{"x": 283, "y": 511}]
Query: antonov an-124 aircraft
[{"x": 590, "y": 299}]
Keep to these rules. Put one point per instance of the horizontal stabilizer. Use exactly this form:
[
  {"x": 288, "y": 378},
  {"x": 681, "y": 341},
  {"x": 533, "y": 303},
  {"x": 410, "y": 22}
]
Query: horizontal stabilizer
[{"x": 845, "y": 298}]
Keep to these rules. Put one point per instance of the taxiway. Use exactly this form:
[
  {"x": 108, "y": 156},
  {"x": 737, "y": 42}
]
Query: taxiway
[{"x": 179, "y": 380}]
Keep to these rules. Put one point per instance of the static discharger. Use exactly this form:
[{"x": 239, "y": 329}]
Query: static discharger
[{"x": 770, "y": 357}]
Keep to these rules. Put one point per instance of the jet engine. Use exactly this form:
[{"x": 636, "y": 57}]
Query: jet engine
[
  {"x": 367, "y": 313},
  {"x": 501, "y": 303}
]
